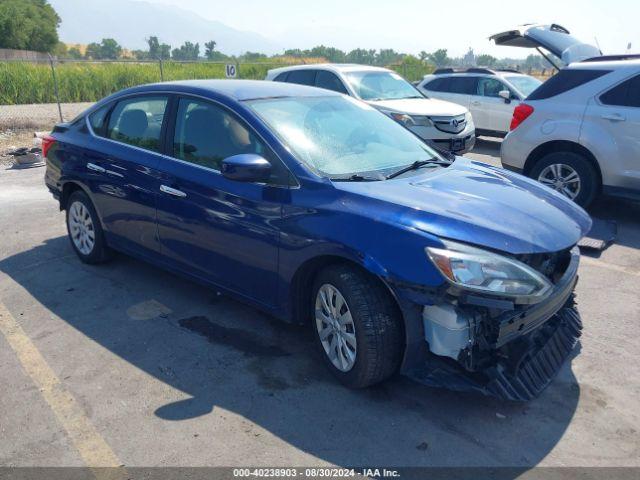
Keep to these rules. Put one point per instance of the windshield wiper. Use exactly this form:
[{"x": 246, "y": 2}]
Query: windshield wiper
[
  {"x": 416, "y": 165},
  {"x": 356, "y": 178}
]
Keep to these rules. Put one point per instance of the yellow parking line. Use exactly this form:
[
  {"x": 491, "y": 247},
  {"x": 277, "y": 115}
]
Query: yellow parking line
[{"x": 92, "y": 447}]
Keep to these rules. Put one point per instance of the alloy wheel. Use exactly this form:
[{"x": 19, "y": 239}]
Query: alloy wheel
[
  {"x": 336, "y": 328},
  {"x": 562, "y": 178},
  {"x": 81, "y": 228}
]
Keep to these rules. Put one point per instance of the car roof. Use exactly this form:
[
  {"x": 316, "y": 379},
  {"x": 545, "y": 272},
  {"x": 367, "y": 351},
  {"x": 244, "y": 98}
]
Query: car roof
[
  {"x": 492, "y": 73},
  {"x": 600, "y": 63},
  {"x": 239, "y": 90},
  {"x": 332, "y": 67}
]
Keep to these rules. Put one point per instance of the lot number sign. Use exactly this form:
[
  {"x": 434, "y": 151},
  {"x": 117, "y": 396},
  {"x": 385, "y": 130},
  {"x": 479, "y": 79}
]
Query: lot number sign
[{"x": 231, "y": 71}]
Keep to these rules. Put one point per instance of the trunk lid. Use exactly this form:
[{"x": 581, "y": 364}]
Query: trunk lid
[{"x": 553, "y": 38}]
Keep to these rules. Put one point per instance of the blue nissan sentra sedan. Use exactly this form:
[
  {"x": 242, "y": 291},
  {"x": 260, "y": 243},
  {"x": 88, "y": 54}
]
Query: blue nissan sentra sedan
[{"x": 320, "y": 210}]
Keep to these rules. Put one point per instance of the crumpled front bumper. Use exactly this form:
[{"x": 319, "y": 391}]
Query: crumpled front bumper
[
  {"x": 527, "y": 347},
  {"x": 523, "y": 381}
]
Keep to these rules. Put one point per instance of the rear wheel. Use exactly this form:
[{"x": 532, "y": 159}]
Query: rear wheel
[
  {"x": 85, "y": 231},
  {"x": 357, "y": 326},
  {"x": 570, "y": 174}
]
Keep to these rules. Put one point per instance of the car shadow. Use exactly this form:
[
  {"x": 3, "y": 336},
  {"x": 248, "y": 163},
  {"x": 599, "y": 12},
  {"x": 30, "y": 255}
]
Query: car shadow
[
  {"x": 626, "y": 215},
  {"x": 224, "y": 354},
  {"x": 488, "y": 146}
]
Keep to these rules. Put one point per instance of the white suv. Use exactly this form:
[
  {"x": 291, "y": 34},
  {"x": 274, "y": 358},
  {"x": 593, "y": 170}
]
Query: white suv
[
  {"x": 579, "y": 132},
  {"x": 490, "y": 95},
  {"x": 447, "y": 125}
]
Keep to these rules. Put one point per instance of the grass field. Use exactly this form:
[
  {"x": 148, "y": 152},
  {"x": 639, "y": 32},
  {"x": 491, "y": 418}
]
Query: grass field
[
  {"x": 22, "y": 83},
  {"x": 25, "y": 83}
]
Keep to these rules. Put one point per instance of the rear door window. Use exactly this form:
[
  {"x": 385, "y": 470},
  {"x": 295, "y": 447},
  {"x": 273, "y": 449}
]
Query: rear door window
[
  {"x": 462, "y": 85},
  {"x": 565, "y": 80},
  {"x": 625, "y": 94},
  {"x": 138, "y": 122},
  {"x": 330, "y": 81},
  {"x": 302, "y": 77}
]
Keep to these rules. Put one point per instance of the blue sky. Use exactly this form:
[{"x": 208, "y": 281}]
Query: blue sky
[{"x": 415, "y": 25}]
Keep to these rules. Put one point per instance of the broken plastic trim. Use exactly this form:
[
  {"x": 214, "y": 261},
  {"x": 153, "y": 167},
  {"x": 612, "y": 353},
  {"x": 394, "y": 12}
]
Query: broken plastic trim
[{"x": 524, "y": 381}]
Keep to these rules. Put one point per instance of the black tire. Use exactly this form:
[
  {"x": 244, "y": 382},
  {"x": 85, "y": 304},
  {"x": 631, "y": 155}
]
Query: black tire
[
  {"x": 100, "y": 252},
  {"x": 589, "y": 180},
  {"x": 377, "y": 321}
]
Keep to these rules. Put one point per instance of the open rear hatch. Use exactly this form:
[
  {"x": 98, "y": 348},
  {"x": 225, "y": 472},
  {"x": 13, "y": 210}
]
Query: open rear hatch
[{"x": 552, "y": 38}]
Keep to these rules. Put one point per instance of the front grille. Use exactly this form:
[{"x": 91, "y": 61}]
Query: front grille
[
  {"x": 450, "y": 124},
  {"x": 551, "y": 265}
]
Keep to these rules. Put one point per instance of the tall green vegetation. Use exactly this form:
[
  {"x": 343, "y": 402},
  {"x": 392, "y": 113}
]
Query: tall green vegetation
[{"x": 28, "y": 25}]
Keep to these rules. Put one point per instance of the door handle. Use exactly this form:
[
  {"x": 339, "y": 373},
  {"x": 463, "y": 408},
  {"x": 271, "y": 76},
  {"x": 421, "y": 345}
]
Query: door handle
[
  {"x": 614, "y": 117},
  {"x": 95, "y": 168},
  {"x": 172, "y": 191}
]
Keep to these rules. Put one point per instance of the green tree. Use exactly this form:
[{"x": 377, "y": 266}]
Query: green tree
[
  {"x": 107, "y": 49},
  {"x": 110, "y": 49},
  {"x": 440, "y": 57},
  {"x": 330, "y": 53},
  {"x": 210, "y": 49},
  {"x": 294, "y": 52},
  {"x": 360, "y": 55},
  {"x": 188, "y": 51},
  {"x": 157, "y": 49},
  {"x": 387, "y": 56},
  {"x": 423, "y": 56},
  {"x": 60, "y": 50},
  {"x": 252, "y": 56},
  {"x": 28, "y": 25},
  {"x": 94, "y": 51},
  {"x": 485, "y": 60},
  {"x": 74, "y": 53}
]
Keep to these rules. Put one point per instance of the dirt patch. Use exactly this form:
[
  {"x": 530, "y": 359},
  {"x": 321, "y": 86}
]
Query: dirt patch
[{"x": 12, "y": 139}]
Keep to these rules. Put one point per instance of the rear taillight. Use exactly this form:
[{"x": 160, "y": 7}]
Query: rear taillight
[
  {"x": 520, "y": 114},
  {"x": 47, "y": 143}
]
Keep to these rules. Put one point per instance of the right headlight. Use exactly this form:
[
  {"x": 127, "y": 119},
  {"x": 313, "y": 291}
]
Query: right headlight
[
  {"x": 411, "y": 120},
  {"x": 483, "y": 271}
]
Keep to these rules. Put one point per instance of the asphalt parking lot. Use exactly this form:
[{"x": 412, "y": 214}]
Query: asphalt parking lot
[{"x": 125, "y": 364}]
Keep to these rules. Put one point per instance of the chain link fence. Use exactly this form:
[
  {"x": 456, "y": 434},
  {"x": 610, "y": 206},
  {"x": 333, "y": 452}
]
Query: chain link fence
[{"x": 37, "y": 91}]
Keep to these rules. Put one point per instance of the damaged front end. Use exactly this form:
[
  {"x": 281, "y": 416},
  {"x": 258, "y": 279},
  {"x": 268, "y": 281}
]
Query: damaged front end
[{"x": 504, "y": 325}]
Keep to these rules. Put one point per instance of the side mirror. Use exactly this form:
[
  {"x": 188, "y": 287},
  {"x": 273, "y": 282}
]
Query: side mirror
[
  {"x": 246, "y": 167},
  {"x": 506, "y": 95}
]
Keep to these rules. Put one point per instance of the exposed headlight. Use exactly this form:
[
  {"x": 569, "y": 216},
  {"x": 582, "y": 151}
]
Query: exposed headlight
[
  {"x": 480, "y": 270},
  {"x": 411, "y": 120}
]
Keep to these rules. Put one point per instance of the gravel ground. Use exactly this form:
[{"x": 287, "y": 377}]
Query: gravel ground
[
  {"x": 40, "y": 116},
  {"x": 138, "y": 383}
]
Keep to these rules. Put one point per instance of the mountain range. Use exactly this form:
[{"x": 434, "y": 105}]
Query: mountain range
[{"x": 131, "y": 22}]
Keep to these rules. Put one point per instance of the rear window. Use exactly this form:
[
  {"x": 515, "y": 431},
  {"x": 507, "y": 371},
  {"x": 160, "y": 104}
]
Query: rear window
[
  {"x": 565, "y": 80},
  {"x": 626, "y": 94}
]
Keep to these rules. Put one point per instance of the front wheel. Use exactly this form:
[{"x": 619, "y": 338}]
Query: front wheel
[
  {"x": 357, "y": 326},
  {"x": 568, "y": 173}
]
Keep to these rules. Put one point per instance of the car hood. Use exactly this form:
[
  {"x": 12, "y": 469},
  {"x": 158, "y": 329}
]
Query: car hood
[
  {"x": 554, "y": 38},
  {"x": 479, "y": 204},
  {"x": 420, "y": 106}
]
